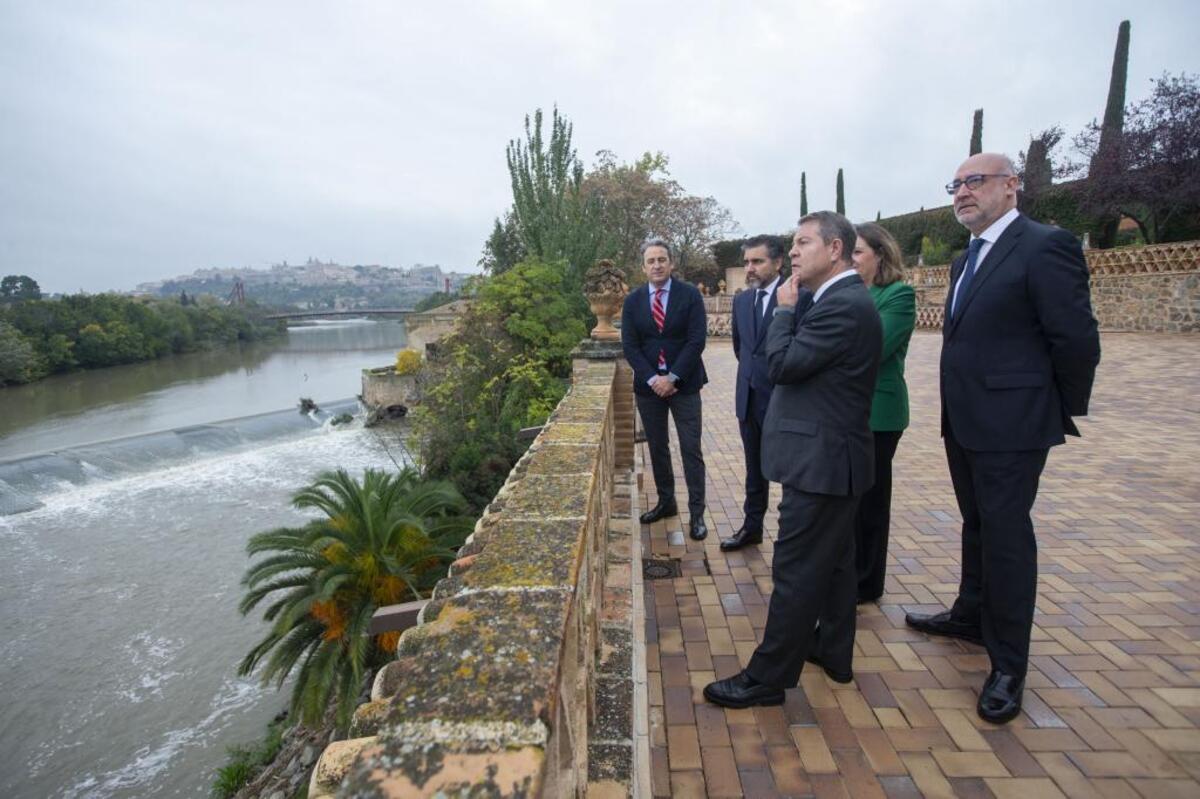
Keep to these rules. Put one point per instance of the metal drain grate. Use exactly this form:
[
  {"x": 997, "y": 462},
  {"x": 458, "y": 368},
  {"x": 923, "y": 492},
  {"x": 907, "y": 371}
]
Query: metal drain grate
[{"x": 661, "y": 569}]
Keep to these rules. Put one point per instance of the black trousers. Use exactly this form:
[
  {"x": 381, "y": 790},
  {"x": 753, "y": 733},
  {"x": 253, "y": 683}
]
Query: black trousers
[
  {"x": 995, "y": 493},
  {"x": 814, "y": 577},
  {"x": 754, "y": 507},
  {"x": 874, "y": 519},
  {"x": 686, "y": 410}
]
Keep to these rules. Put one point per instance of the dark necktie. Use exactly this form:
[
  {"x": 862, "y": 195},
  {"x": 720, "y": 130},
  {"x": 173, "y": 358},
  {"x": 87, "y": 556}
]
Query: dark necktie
[
  {"x": 968, "y": 273},
  {"x": 758, "y": 310},
  {"x": 660, "y": 317}
]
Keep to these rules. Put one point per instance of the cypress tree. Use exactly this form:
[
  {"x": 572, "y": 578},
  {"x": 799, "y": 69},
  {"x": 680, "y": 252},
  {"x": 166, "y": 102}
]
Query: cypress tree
[
  {"x": 1114, "y": 123},
  {"x": 803, "y": 194},
  {"x": 878, "y": 215},
  {"x": 977, "y": 133},
  {"x": 841, "y": 194}
]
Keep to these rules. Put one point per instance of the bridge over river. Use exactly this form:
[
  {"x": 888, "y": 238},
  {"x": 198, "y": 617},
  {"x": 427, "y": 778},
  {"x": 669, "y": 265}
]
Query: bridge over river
[{"x": 342, "y": 314}]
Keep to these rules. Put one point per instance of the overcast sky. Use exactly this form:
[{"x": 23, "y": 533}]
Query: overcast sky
[{"x": 141, "y": 140}]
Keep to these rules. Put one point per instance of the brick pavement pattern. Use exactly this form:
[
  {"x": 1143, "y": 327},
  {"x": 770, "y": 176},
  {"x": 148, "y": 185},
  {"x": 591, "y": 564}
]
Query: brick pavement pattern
[{"x": 1112, "y": 700}]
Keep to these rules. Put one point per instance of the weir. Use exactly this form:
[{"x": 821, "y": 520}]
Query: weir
[{"x": 24, "y": 480}]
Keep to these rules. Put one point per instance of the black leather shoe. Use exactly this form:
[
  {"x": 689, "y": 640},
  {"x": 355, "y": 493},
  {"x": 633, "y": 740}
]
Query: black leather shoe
[
  {"x": 662, "y": 510},
  {"x": 697, "y": 529},
  {"x": 742, "y": 690},
  {"x": 943, "y": 624},
  {"x": 1000, "y": 699},
  {"x": 837, "y": 676},
  {"x": 742, "y": 538}
]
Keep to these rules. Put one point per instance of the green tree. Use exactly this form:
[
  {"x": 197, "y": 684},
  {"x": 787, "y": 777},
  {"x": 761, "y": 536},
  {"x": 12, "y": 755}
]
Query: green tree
[
  {"x": 504, "y": 368},
  {"x": 552, "y": 218},
  {"x": 1106, "y": 163},
  {"x": 803, "y": 194},
  {"x": 18, "y": 364},
  {"x": 14, "y": 288},
  {"x": 503, "y": 249},
  {"x": 977, "y": 132},
  {"x": 841, "y": 193},
  {"x": 383, "y": 539}
]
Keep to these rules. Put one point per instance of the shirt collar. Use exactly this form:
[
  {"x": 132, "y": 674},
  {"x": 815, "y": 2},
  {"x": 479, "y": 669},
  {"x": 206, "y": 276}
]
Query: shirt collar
[
  {"x": 770, "y": 287},
  {"x": 998, "y": 227},
  {"x": 839, "y": 276},
  {"x": 665, "y": 287}
]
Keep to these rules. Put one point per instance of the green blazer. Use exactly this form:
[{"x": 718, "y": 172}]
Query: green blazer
[{"x": 897, "y": 306}]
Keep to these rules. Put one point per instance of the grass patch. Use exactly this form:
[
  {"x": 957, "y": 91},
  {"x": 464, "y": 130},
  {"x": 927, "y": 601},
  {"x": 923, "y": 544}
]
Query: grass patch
[{"x": 245, "y": 762}]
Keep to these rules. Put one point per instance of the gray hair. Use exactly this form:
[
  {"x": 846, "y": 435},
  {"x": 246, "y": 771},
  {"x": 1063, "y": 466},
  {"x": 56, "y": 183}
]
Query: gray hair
[
  {"x": 657, "y": 241},
  {"x": 773, "y": 244},
  {"x": 834, "y": 226}
]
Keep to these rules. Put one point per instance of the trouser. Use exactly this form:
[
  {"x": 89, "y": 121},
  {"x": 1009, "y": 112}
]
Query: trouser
[
  {"x": 686, "y": 410},
  {"x": 754, "y": 507},
  {"x": 814, "y": 577},
  {"x": 874, "y": 518},
  {"x": 998, "y": 590}
]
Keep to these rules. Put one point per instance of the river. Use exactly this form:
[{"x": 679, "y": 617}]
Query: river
[{"x": 119, "y": 630}]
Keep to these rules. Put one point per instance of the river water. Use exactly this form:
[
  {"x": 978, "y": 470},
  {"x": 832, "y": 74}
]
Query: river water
[{"x": 119, "y": 633}]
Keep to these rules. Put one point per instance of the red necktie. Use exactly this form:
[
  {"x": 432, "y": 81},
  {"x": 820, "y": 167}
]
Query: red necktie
[{"x": 660, "y": 316}]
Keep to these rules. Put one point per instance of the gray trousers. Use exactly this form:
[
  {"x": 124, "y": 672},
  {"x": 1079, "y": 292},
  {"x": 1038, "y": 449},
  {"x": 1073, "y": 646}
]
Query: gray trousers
[{"x": 686, "y": 409}]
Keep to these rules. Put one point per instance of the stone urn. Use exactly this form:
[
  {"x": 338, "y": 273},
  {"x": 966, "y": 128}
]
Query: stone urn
[
  {"x": 721, "y": 286},
  {"x": 605, "y": 289}
]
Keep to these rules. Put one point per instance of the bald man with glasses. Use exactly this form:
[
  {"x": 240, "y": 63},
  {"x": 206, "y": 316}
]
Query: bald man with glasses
[{"x": 1019, "y": 353}]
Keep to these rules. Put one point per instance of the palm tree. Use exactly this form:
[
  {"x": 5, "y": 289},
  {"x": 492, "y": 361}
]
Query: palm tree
[{"x": 384, "y": 539}]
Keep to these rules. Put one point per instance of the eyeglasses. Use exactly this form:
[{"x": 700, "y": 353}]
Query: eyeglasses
[{"x": 972, "y": 182}]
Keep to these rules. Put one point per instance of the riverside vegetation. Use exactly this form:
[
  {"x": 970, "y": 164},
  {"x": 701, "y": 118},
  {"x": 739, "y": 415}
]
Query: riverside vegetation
[{"x": 40, "y": 337}]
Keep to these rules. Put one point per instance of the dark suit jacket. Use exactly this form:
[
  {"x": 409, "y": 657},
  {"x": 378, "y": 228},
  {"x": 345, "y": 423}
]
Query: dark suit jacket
[
  {"x": 750, "y": 351},
  {"x": 685, "y": 331},
  {"x": 1019, "y": 357},
  {"x": 817, "y": 437}
]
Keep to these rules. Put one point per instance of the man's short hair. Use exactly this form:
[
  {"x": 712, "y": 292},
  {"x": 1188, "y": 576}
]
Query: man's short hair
[
  {"x": 658, "y": 241},
  {"x": 773, "y": 244},
  {"x": 832, "y": 226}
]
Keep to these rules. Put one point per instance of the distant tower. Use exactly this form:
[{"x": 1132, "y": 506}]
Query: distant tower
[{"x": 238, "y": 295}]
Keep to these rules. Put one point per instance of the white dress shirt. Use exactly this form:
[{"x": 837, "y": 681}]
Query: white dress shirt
[
  {"x": 989, "y": 237},
  {"x": 831, "y": 281}
]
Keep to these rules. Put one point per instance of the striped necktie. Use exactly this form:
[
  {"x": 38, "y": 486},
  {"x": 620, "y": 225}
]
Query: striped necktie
[{"x": 660, "y": 316}]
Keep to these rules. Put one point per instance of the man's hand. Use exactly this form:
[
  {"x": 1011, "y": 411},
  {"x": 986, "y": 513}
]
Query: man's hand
[
  {"x": 662, "y": 386},
  {"x": 788, "y": 292}
]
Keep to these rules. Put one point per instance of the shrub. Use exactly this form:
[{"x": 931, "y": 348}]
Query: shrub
[{"x": 408, "y": 361}]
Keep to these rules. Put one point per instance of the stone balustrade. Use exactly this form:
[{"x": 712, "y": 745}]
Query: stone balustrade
[
  {"x": 494, "y": 692},
  {"x": 1150, "y": 289}
]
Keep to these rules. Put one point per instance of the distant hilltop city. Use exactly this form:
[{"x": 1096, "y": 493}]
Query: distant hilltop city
[{"x": 317, "y": 284}]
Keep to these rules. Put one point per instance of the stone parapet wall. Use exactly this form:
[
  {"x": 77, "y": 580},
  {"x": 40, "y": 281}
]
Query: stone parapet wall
[
  {"x": 1153, "y": 289},
  {"x": 719, "y": 310},
  {"x": 492, "y": 692},
  {"x": 382, "y": 387}
]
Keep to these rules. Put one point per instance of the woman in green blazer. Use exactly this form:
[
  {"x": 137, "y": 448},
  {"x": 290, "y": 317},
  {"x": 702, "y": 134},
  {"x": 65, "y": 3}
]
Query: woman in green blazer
[{"x": 877, "y": 259}]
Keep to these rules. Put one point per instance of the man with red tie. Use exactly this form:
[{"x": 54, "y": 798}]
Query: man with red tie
[{"x": 663, "y": 331}]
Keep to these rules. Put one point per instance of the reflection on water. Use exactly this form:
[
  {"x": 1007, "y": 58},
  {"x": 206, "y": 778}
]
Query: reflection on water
[{"x": 321, "y": 361}]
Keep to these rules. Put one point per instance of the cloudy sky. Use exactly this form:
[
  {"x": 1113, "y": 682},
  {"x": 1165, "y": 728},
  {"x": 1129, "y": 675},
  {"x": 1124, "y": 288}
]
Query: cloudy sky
[{"x": 140, "y": 140}]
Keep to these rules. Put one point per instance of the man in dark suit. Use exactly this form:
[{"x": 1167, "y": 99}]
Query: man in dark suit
[
  {"x": 663, "y": 331},
  {"x": 762, "y": 258},
  {"x": 1019, "y": 352},
  {"x": 817, "y": 442}
]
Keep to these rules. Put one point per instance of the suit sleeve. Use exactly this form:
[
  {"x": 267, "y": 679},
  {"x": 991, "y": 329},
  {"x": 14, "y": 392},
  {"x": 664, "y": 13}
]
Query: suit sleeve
[
  {"x": 1058, "y": 284},
  {"x": 697, "y": 334},
  {"x": 819, "y": 338},
  {"x": 631, "y": 342},
  {"x": 898, "y": 313}
]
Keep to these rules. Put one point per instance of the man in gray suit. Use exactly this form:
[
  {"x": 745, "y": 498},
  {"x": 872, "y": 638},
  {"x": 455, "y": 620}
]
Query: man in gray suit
[{"x": 817, "y": 442}]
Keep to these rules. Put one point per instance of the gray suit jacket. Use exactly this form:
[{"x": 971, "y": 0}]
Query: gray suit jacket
[{"x": 817, "y": 434}]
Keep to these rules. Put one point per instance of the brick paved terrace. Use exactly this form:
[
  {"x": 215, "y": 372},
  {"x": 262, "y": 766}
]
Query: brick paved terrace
[{"x": 1112, "y": 701}]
